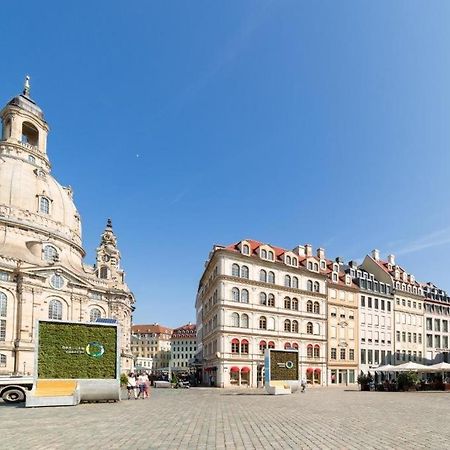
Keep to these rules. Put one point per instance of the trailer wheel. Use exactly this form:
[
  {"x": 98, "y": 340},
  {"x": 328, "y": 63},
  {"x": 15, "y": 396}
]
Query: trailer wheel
[{"x": 13, "y": 395}]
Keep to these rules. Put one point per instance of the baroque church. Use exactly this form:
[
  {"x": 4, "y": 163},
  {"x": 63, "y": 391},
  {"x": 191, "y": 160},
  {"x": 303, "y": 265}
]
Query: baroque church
[{"x": 42, "y": 273}]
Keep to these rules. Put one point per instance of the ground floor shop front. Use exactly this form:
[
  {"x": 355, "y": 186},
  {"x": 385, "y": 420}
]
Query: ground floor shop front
[{"x": 236, "y": 373}]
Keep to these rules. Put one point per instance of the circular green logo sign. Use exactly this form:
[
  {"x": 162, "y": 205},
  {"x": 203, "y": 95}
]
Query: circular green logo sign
[
  {"x": 95, "y": 349},
  {"x": 289, "y": 364}
]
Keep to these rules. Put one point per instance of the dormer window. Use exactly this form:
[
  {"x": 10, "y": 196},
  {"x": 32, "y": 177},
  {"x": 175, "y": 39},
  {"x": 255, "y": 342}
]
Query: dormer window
[
  {"x": 335, "y": 277},
  {"x": 335, "y": 267},
  {"x": 316, "y": 267},
  {"x": 263, "y": 254},
  {"x": 270, "y": 255},
  {"x": 310, "y": 265},
  {"x": 288, "y": 260},
  {"x": 323, "y": 265},
  {"x": 44, "y": 205},
  {"x": 246, "y": 249}
]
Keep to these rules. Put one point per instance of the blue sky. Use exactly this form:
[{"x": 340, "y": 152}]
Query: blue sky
[{"x": 192, "y": 123}]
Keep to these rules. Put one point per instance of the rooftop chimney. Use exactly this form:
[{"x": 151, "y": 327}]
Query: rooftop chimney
[
  {"x": 376, "y": 254},
  {"x": 299, "y": 250},
  {"x": 321, "y": 253},
  {"x": 308, "y": 249},
  {"x": 391, "y": 260}
]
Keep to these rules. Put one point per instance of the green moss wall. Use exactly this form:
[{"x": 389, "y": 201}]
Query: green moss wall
[{"x": 62, "y": 351}]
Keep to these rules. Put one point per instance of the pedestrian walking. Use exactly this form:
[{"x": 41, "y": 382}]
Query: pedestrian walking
[
  {"x": 304, "y": 384},
  {"x": 141, "y": 385},
  {"x": 131, "y": 386}
]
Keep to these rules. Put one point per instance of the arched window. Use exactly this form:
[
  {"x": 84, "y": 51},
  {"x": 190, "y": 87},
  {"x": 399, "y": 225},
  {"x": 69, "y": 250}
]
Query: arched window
[
  {"x": 316, "y": 267},
  {"x": 309, "y": 306},
  {"x": 271, "y": 300},
  {"x": 316, "y": 308},
  {"x": 95, "y": 314},
  {"x": 2, "y": 360},
  {"x": 288, "y": 260},
  {"x": 50, "y": 253},
  {"x": 316, "y": 286},
  {"x": 310, "y": 265},
  {"x": 3, "y": 304},
  {"x": 263, "y": 275},
  {"x": 244, "y": 321},
  {"x": 287, "y": 303},
  {"x": 294, "y": 261},
  {"x": 245, "y": 249},
  {"x": 263, "y": 254},
  {"x": 235, "y": 319},
  {"x": 270, "y": 255},
  {"x": 287, "y": 281},
  {"x": 235, "y": 346},
  {"x": 55, "y": 310},
  {"x": 271, "y": 278},
  {"x": 295, "y": 282},
  {"x": 30, "y": 134},
  {"x": 104, "y": 272},
  {"x": 235, "y": 270},
  {"x": 309, "y": 351},
  {"x": 263, "y": 298},
  {"x": 235, "y": 295},
  {"x": 295, "y": 346},
  {"x": 309, "y": 328},
  {"x": 287, "y": 325},
  {"x": 295, "y": 304},
  {"x": 262, "y": 346},
  {"x": 244, "y": 346},
  {"x": 44, "y": 205},
  {"x": 287, "y": 346},
  {"x": 271, "y": 344},
  {"x": 294, "y": 326},
  {"x": 263, "y": 323},
  {"x": 244, "y": 296},
  {"x": 244, "y": 272},
  {"x": 317, "y": 351},
  {"x": 309, "y": 285}
]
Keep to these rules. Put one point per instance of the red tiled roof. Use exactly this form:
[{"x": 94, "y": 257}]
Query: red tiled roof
[
  {"x": 152, "y": 328},
  {"x": 189, "y": 331}
]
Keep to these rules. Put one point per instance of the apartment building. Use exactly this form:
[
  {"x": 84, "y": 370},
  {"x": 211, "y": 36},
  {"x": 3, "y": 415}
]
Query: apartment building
[
  {"x": 183, "y": 347},
  {"x": 254, "y": 296},
  {"x": 437, "y": 317},
  {"x": 343, "y": 330},
  {"x": 151, "y": 345},
  {"x": 408, "y": 306},
  {"x": 376, "y": 318}
]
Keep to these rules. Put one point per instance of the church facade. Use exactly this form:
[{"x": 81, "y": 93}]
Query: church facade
[{"x": 42, "y": 272}]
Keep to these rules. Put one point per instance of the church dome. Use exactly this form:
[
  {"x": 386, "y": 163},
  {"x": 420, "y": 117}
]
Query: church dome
[{"x": 30, "y": 195}]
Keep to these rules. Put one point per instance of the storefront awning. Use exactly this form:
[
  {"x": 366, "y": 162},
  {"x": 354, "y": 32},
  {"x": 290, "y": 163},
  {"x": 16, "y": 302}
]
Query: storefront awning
[
  {"x": 234, "y": 369},
  {"x": 245, "y": 370}
]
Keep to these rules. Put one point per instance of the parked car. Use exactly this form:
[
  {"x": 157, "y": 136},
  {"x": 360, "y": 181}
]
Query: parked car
[{"x": 13, "y": 389}]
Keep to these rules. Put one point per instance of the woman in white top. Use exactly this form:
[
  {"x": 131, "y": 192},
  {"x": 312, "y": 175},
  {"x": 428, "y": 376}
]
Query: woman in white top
[{"x": 131, "y": 385}]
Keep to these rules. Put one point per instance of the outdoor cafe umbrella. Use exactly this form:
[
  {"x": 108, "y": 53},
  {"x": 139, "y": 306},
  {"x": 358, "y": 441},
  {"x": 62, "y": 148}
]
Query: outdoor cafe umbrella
[
  {"x": 386, "y": 368},
  {"x": 411, "y": 366},
  {"x": 440, "y": 367}
]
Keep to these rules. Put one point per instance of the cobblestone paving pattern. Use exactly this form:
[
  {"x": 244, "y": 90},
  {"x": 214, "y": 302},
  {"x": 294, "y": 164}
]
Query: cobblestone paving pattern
[{"x": 204, "y": 418}]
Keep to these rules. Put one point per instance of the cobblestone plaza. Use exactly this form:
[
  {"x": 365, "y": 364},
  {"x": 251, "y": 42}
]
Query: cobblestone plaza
[{"x": 213, "y": 418}]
